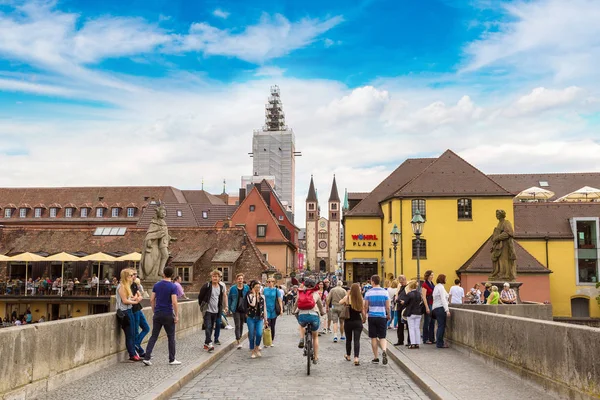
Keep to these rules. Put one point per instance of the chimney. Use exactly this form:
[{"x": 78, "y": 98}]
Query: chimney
[{"x": 242, "y": 195}]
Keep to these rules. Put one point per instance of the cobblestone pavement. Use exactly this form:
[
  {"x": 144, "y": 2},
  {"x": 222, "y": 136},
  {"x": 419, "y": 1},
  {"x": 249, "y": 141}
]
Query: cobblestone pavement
[
  {"x": 127, "y": 380},
  {"x": 281, "y": 373},
  {"x": 463, "y": 375}
]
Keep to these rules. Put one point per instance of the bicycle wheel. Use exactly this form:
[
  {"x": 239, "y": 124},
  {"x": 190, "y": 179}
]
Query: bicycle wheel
[{"x": 309, "y": 353}]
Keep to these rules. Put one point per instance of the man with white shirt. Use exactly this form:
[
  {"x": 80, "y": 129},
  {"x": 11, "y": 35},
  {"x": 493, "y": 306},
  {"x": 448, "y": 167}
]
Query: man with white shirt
[{"x": 457, "y": 293}]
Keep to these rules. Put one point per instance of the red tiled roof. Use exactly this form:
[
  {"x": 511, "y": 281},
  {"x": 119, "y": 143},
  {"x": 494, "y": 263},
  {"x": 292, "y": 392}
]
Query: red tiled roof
[
  {"x": 40, "y": 205},
  {"x": 540, "y": 220},
  {"x": 184, "y": 219},
  {"x": 70, "y": 205},
  {"x": 369, "y": 206},
  {"x": 560, "y": 184},
  {"x": 450, "y": 175},
  {"x": 214, "y": 212},
  {"x": 201, "y": 197},
  {"x": 481, "y": 261},
  {"x": 24, "y": 205},
  {"x": 101, "y": 204},
  {"x": 54, "y": 205}
]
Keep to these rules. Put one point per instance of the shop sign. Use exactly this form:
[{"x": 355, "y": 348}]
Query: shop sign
[{"x": 362, "y": 240}]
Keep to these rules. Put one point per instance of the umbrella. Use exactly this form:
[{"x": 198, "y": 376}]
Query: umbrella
[
  {"x": 27, "y": 257},
  {"x": 135, "y": 257},
  {"x": 535, "y": 193},
  {"x": 62, "y": 257},
  {"x": 4, "y": 258},
  {"x": 98, "y": 257},
  {"x": 585, "y": 193}
]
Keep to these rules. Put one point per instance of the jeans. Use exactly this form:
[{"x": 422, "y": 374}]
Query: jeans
[
  {"x": 239, "y": 319},
  {"x": 210, "y": 319},
  {"x": 129, "y": 331},
  {"x": 440, "y": 316},
  {"x": 394, "y": 320},
  {"x": 255, "y": 331},
  {"x": 272, "y": 322},
  {"x": 353, "y": 329},
  {"x": 140, "y": 322},
  {"x": 428, "y": 328},
  {"x": 160, "y": 320},
  {"x": 414, "y": 322}
]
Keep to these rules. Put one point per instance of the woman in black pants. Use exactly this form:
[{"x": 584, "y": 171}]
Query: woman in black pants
[{"x": 353, "y": 326}]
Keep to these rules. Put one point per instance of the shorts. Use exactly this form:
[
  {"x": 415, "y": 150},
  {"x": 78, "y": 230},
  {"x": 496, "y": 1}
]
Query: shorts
[
  {"x": 377, "y": 327},
  {"x": 312, "y": 319},
  {"x": 336, "y": 311}
]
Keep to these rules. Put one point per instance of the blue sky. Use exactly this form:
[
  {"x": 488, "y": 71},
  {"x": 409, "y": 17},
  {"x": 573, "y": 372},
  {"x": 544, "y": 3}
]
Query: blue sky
[{"x": 168, "y": 92}]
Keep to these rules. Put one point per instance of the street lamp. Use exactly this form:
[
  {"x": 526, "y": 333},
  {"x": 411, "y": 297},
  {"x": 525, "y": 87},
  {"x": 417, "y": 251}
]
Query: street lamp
[
  {"x": 395, "y": 237},
  {"x": 417, "y": 223},
  {"x": 382, "y": 265}
]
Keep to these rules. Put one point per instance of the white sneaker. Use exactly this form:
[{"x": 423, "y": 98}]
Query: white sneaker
[
  {"x": 229, "y": 327},
  {"x": 239, "y": 346},
  {"x": 175, "y": 362},
  {"x": 147, "y": 362},
  {"x": 272, "y": 344}
]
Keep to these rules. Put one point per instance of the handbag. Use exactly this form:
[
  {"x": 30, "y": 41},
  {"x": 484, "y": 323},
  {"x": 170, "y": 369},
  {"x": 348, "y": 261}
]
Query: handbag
[
  {"x": 123, "y": 318},
  {"x": 277, "y": 305},
  {"x": 345, "y": 314},
  {"x": 267, "y": 338}
]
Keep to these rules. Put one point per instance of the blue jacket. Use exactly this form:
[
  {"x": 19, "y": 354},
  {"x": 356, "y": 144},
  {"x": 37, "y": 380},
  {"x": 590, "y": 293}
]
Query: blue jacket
[{"x": 234, "y": 296}]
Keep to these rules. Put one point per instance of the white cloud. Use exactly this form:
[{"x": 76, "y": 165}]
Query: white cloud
[
  {"x": 362, "y": 101},
  {"x": 274, "y": 36},
  {"x": 542, "y": 99},
  {"x": 221, "y": 14},
  {"x": 545, "y": 36},
  {"x": 271, "y": 71},
  {"x": 329, "y": 42},
  {"x": 11, "y": 85}
]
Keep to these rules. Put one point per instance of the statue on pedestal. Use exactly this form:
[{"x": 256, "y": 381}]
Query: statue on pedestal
[
  {"x": 503, "y": 250},
  {"x": 155, "y": 251}
]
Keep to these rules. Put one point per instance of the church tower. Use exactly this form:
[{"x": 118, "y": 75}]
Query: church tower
[
  {"x": 312, "y": 217},
  {"x": 334, "y": 226}
]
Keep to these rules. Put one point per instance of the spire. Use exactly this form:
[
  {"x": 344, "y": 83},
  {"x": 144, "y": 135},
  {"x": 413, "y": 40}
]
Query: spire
[
  {"x": 346, "y": 205},
  {"x": 274, "y": 115},
  {"x": 334, "y": 196},
  {"x": 312, "y": 193},
  {"x": 224, "y": 191}
]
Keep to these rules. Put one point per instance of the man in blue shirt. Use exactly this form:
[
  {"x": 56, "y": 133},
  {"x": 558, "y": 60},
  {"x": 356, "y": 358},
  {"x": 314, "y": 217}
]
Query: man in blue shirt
[
  {"x": 237, "y": 306},
  {"x": 377, "y": 305},
  {"x": 166, "y": 314}
]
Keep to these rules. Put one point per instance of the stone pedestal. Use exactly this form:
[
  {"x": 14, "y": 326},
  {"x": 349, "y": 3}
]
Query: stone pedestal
[{"x": 513, "y": 285}]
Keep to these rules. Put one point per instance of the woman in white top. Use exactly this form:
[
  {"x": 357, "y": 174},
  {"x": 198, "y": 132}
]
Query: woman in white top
[
  {"x": 440, "y": 308},
  {"x": 392, "y": 293}
]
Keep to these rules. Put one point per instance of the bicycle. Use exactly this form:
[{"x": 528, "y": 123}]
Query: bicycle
[{"x": 308, "y": 347}]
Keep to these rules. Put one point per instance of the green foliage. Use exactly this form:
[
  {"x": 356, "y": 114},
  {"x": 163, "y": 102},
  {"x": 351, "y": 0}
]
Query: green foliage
[{"x": 598, "y": 297}]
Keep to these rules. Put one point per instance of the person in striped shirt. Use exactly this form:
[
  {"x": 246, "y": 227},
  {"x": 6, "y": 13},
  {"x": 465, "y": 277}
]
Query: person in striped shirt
[{"x": 377, "y": 305}]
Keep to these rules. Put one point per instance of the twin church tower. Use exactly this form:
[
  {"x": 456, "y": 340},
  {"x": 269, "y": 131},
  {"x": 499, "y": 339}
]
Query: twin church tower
[{"x": 322, "y": 234}]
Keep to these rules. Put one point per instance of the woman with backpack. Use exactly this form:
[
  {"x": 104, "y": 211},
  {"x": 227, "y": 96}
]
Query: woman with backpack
[
  {"x": 309, "y": 308},
  {"x": 353, "y": 326},
  {"x": 413, "y": 309},
  {"x": 257, "y": 318}
]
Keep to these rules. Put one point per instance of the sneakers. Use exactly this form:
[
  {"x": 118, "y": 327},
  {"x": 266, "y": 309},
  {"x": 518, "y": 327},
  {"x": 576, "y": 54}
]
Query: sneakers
[
  {"x": 301, "y": 344},
  {"x": 147, "y": 362},
  {"x": 228, "y": 327},
  {"x": 135, "y": 358},
  {"x": 209, "y": 347},
  {"x": 385, "y": 358},
  {"x": 343, "y": 338},
  {"x": 217, "y": 343},
  {"x": 375, "y": 361},
  {"x": 335, "y": 339},
  {"x": 239, "y": 346},
  {"x": 175, "y": 362}
]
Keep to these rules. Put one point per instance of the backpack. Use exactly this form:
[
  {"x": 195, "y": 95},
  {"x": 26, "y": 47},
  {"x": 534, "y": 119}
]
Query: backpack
[{"x": 306, "y": 301}]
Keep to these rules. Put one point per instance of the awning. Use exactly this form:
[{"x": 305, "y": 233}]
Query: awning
[{"x": 361, "y": 260}]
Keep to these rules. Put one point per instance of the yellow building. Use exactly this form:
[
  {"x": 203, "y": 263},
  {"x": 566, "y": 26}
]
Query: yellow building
[{"x": 459, "y": 203}]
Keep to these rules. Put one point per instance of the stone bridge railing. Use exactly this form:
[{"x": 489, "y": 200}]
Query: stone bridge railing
[
  {"x": 42, "y": 357},
  {"x": 562, "y": 357}
]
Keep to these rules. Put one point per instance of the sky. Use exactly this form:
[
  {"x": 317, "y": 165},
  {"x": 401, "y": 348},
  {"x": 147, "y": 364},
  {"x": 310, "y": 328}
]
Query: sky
[{"x": 168, "y": 92}]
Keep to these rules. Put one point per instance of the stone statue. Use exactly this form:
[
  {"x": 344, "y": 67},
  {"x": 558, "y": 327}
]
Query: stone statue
[
  {"x": 503, "y": 250},
  {"x": 155, "y": 251}
]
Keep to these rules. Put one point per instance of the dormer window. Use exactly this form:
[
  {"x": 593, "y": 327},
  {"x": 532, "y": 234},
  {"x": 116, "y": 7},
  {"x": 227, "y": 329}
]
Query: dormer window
[
  {"x": 130, "y": 212},
  {"x": 37, "y": 212},
  {"x": 84, "y": 212},
  {"x": 205, "y": 214},
  {"x": 69, "y": 212},
  {"x": 22, "y": 212},
  {"x": 99, "y": 212},
  {"x": 53, "y": 211},
  {"x": 544, "y": 184},
  {"x": 115, "y": 212},
  {"x": 7, "y": 212}
]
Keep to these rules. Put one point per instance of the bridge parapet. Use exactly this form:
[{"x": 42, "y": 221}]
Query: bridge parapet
[{"x": 556, "y": 355}]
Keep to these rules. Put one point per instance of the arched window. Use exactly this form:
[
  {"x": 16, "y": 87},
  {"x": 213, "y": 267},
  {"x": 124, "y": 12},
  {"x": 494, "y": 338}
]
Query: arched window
[
  {"x": 580, "y": 307},
  {"x": 419, "y": 204},
  {"x": 465, "y": 210}
]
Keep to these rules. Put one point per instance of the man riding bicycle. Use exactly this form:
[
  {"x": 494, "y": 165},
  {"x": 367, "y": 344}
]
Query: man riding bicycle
[{"x": 308, "y": 309}]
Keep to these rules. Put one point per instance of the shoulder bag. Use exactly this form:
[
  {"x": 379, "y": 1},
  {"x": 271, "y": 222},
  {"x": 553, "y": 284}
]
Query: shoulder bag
[
  {"x": 277, "y": 305},
  {"x": 345, "y": 314}
]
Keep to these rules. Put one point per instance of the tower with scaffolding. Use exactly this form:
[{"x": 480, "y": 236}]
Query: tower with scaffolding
[{"x": 274, "y": 152}]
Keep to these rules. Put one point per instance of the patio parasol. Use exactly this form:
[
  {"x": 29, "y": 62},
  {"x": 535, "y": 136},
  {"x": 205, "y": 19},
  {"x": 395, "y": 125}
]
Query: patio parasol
[
  {"x": 4, "y": 258},
  {"x": 535, "y": 193},
  {"x": 98, "y": 257},
  {"x": 27, "y": 257},
  {"x": 135, "y": 257},
  {"x": 62, "y": 257},
  {"x": 586, "y": 193}
]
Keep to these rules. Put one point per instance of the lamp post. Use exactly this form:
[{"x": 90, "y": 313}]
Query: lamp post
[
  {"x": 395, "y": 237},
  {"x": 382, "y": 265},
  {"x": 417, "y": 223}
]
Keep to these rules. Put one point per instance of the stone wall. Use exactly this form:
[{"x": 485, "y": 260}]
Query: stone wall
[
  {"x": 535, "y": 311},
  {"x": 562, "y": 357},
  {"x": 41, "y": 357}
]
